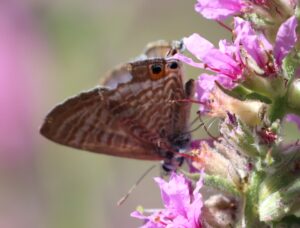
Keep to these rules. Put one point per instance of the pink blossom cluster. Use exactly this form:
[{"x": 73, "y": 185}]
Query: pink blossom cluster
[
  {"x": 253, "y": 61},
  {"x": 182, "y": 206}
]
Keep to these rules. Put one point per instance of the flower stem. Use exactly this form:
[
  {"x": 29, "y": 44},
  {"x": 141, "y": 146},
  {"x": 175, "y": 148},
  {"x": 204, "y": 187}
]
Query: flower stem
[
  {"x": 277, "y": 109},
  {"x": 222, "y": 184},
  {"x": 251, "y": 200}
]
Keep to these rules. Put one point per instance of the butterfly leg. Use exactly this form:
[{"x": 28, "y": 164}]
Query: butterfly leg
[{"x": 172, "y": 157}]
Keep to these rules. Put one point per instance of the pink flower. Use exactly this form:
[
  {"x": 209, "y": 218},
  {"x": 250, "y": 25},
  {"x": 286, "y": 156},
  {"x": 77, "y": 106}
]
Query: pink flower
[
  {"x": 204, "y": 89},
  {"x": 256, "y": 46},
  {"x": 183, "y": 208},
  {"x": 216, "y": 103},
  {"x": 260, "y": 49},
  {"x": 219, "y": 9},
  {"x": 222, "y": 61},
  {"x": 250, "y": 52},
  {"x": 285, "y": 39},
  {"x": 222, "y": 9}
]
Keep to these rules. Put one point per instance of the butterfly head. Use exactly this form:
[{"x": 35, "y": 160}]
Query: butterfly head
[{"x": 171, "y": 162}]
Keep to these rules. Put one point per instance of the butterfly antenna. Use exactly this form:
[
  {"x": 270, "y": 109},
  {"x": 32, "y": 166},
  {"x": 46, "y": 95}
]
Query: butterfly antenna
[
  {"x": 205, "y": 127},
  {"x": 194, "y": 121},
  {"x": 212, "y": 122},
  {"x": 201, "y": 124},
  {"x": 195, "y": 129},
  {"x": 123, "y": 199}
]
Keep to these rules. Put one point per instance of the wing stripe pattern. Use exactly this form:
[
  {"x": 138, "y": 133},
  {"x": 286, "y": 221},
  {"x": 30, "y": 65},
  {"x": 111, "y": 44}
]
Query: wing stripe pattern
[{"x": 125, "y": 120}]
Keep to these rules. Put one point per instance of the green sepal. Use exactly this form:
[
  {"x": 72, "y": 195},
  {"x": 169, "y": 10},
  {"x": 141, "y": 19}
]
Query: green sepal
[
  {"x": 215, "y": 182},
  {"x": 278, "y": 108},
  {"x": 274, "y": 182},
  {"x": 280, "y": 203},
  {"x": 283, "y": 175},
  {"x": 289, "y": 66},
  {"x": 259, "y": 97},
  {"x": 257, "y": 20},
  {"x": 242, "y": 93},
  {"x": 221, "y": 184},
  {"x": 297, "y": 12},
  {"x": 245, "y": 141}
]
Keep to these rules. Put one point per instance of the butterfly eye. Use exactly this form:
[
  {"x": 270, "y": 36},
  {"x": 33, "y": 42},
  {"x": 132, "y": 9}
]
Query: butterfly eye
[
  {"x": 156, "y": 69},
  {"x": 173, "y": 65}
]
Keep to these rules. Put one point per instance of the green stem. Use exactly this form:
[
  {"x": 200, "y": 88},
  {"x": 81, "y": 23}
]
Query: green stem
[
  {"x": 221, "y": 184},
  {"x": 251, "y": 200},
  {"x": 277, "y": 109},
  {"x": 259, "y": 85},
  {"x": 289, "y": 221}
]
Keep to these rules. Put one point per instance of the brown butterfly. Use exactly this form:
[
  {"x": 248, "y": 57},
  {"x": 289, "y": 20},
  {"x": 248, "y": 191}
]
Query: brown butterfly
[{"x": 134, "y": 114}]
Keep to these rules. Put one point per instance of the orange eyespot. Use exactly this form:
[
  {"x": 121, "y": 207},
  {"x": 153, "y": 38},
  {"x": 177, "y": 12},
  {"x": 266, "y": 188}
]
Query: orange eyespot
[{"x": 157, "y": 71}]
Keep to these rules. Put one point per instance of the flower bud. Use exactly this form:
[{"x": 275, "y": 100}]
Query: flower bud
[
  {"x": 241, "y": 137},
  {"x": 280, "y": 203},
  {"x": 269, "y": 15},
  {"x": 213, "y": 162},
  {"x": 219, "y": 211},
  {"x": 294, "y": 95}
]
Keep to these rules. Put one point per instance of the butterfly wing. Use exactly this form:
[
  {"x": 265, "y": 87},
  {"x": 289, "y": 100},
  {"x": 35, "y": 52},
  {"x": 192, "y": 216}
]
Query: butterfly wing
[
  {"x": 161, "y": 49},
  {"x": 84, "y": 122},
  {"x": 131, "y": 116},
  {"x": 150, "y": 100}
]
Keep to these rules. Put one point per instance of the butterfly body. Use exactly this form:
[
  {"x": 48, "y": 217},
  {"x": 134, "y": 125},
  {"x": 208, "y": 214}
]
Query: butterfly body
[{"x": 134, "y": 114}]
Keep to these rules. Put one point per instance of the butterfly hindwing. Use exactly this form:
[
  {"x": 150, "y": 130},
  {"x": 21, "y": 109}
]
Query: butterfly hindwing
[{"x": 84, "y": 122}]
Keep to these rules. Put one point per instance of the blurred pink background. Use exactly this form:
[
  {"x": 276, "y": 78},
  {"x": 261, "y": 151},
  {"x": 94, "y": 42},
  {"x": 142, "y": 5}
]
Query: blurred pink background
[{"x": 50, "y": 50}]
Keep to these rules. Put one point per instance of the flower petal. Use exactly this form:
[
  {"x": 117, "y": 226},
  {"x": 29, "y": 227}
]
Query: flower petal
[
  {"x": 205, "y": 84},
  {"x": 179, "y": 204},
  {"x": 221, "y": 63},
  {"x": 255, "y": 45},
  {"x": 197, "y": 45},
  {"x": 285, "y": 39},
  {"x": 208, "y": 54},
  {"x": 188, "y": 60},
  {"x": 293, "y": 118},
  {"x": 219, "y": 9},
  {"x": 213, "y": 59},
  {"x": 175, "y": 193}
]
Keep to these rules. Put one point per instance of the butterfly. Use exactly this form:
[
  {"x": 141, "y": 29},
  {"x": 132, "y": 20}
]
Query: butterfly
[{"x": 134, "y": 114}]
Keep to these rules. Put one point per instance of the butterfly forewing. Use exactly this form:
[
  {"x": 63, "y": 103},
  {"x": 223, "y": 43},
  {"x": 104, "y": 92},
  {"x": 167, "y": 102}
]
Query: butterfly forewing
[{"x": 162, "y": 48}]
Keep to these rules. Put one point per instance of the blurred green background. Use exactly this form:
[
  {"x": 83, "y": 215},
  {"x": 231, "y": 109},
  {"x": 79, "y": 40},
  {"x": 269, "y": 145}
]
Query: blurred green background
[{"x": 50, "y": 50}]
